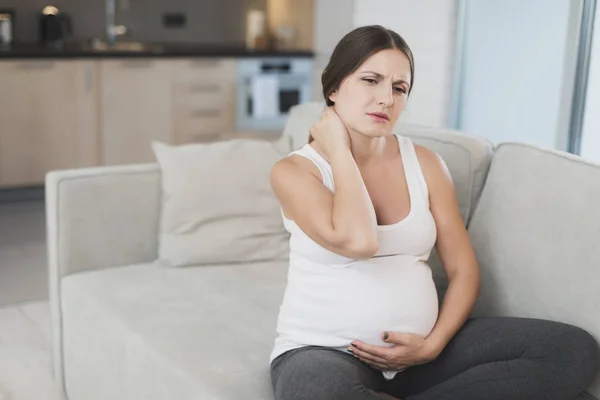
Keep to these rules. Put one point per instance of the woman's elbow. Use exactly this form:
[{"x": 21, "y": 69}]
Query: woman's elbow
[
  {"x": 363, "y": 248},
  {"x": 468, "y": 273},
  {"x": 354, "y": 245}
]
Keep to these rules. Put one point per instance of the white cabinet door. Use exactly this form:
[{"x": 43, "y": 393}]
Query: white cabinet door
[
  {"x": 47, "y": 114},
  {"x": 203, "y": 99},
  {"x": 135, "y": 107}
]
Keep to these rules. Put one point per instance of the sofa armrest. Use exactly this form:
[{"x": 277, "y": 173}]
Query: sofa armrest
[
  {"x": 102, "y": 217},
  {"x": 98, "y": 218},
  {"x": 535, "y": 233}
]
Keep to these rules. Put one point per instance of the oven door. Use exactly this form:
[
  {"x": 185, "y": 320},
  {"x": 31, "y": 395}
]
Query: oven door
[{"x": 291, "y": 90}]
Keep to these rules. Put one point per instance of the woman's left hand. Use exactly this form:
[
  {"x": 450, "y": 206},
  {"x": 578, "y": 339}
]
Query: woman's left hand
[{"x": 408, "y": 349}]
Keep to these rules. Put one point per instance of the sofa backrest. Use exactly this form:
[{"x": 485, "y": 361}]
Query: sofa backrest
[
  {"x": 536, "y": 234},
  {"x": 467, "y": 157},
  {"x": 300, "y": 119}
]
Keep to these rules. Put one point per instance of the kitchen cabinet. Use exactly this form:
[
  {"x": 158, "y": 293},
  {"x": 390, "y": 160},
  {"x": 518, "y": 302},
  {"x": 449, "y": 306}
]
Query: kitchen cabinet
[
  {"x": 47, "y": 119},
  {"x": 203, "y": 99},
  {"x": 135, "y": 109},
  {"x": 64, "y": 114}
]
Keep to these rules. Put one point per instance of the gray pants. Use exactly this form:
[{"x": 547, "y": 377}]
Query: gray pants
[{"x": 489, "y": 358}]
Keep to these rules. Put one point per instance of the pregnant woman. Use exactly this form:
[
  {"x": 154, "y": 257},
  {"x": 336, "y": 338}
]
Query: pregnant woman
[{"x": 364, "y": 207}]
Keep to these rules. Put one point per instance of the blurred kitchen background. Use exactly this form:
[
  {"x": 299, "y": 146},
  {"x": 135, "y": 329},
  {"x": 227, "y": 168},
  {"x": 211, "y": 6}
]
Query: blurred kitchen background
[
  {"x": 85, "y": 83},
  {"x": 176, "y": 21}
]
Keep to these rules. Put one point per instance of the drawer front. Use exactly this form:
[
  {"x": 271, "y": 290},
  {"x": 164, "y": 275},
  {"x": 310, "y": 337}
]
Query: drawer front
[
  {"x": 198, "y": 138},
  {"x": 208, "y": 70},
  {"x": 202, "y": 95},
  {"x": 200, "y": 125}
]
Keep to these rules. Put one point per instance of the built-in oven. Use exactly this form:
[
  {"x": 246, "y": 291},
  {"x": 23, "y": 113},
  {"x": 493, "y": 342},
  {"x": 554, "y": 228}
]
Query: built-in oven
[{"x": 268, "y": 88}]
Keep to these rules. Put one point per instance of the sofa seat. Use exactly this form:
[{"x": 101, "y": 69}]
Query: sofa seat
[{"x": 152, "y": 332}]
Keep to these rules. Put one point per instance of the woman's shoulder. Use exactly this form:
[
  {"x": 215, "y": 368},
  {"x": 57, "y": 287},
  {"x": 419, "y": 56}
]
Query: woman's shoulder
[
  {"x": 426, "y": 155},
  {"x": 433, "y": 166},
  {"x": 292, "y": 166}
]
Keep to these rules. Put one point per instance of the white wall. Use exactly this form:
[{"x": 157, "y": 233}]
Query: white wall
[
  {"x": 515, "y": 64},
  {"x": 333, "y": 19},
  {"x": 590, "y": 141},
  {"x": 428, "y": 26}
]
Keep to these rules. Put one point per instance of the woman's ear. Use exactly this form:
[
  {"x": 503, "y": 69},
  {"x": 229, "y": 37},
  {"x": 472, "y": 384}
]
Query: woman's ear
[{"x": 333, "y": 96}]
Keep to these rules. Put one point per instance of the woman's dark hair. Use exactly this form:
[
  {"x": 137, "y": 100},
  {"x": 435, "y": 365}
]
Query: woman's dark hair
[{"x": 354, "y": 48}]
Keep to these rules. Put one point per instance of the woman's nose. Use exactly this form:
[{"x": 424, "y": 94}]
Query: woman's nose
[{"x": 386, "y": 97}]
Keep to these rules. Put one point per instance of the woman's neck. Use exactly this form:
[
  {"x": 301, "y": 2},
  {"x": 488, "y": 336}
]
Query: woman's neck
[{"x": 365, "y": 149}]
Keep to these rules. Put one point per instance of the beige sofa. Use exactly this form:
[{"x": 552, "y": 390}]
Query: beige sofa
[{"x": 127, "y": 328}]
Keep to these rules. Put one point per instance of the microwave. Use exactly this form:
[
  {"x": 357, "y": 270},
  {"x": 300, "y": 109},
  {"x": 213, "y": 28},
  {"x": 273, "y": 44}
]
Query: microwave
[{"x": 268, "y": 88}]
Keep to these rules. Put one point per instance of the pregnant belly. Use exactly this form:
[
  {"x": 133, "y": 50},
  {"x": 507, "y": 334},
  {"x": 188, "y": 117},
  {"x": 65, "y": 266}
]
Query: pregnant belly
[{"x": 361, "y": 301}]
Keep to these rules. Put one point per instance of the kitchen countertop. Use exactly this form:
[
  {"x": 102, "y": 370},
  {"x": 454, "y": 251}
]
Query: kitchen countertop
[{"x": 141, "y": 50}]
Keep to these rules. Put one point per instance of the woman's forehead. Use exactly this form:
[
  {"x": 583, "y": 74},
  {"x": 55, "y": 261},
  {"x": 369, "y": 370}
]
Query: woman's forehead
[{"x": 390, "y": 62}]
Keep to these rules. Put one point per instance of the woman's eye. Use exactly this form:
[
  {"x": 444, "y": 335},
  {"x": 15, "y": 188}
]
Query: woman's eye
[
  {"x": 370, "y": 80},
  {"x": 400, "y": 90}
]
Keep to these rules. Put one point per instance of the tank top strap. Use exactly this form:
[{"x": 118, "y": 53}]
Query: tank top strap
[
  {"x": 324, "y": 167},
  {"x": 412, "y": 169}
]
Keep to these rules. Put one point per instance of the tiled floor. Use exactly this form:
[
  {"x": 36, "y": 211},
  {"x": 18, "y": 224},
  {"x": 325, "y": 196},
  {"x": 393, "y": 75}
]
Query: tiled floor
[
  {"x": 25, "y": 339},
  {"x": 23, "y": 274},
  {"x": 25, "y": 353}
]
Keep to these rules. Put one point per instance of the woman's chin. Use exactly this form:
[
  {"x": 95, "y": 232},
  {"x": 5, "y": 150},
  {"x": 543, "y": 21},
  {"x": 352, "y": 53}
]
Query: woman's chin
[{"x": 376, "y": 132}]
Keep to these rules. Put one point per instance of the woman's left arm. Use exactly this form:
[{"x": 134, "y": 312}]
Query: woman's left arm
[
  {"x": 455, "y": 251},
  {"x": 458, "y": 258}
]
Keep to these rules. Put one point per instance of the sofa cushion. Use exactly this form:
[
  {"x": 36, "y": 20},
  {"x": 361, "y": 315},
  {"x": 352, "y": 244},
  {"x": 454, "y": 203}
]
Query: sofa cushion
[
  {"x": 301, "y": 118},
  {"x": 204, "y": 332},
  {"x": 217, "y": 202},
  {"x": 467, "y": 157},
  {"x": 535, "y": 234}
]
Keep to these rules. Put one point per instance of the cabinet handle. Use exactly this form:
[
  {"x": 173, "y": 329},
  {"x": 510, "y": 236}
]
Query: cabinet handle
[
  {"x": 36, "y": 65},
  {"x": 204, "y": 88},
  {"x": 137, "y": 64},
  {"x": 204, "y": 63},
  {"x": 89, "y": 77},
  {"x": 205, "y": 113}
]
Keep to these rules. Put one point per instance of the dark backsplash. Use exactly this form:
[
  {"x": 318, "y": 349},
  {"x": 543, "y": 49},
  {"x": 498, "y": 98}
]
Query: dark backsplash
[{"x": 207, "y": 21}]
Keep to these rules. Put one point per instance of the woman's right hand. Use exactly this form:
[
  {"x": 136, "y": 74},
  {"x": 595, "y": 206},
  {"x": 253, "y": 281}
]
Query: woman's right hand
[
  {"x": 331, "y": 133},
  {"x": 342, "y": 221}
]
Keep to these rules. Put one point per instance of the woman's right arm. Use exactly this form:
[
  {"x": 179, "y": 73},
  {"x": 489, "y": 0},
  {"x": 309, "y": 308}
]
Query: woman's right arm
[{"x": 343, "y": 222}]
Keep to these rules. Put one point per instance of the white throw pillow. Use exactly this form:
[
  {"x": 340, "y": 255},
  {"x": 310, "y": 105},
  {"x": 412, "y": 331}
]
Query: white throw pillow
[{"x": 217, "y": 202}]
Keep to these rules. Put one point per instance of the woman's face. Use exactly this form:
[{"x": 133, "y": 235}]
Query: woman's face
[{"x": 370, "y": 100}]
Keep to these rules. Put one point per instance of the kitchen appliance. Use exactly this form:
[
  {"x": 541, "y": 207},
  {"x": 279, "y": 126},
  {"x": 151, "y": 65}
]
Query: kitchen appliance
[
  {"x": 7, "y": 27},
  {"x": 268, "y": 88},
  {"x": 55, "y": 26},
  {"x": 256, "y": 29}
]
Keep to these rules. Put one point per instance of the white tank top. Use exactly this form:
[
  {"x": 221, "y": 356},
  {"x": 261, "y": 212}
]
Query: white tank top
[{"x": 331, "y": 300}]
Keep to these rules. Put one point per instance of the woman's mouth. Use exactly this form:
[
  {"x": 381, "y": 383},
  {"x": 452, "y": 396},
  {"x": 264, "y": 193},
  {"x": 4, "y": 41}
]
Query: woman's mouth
[{"x": 379, "y": 117}]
